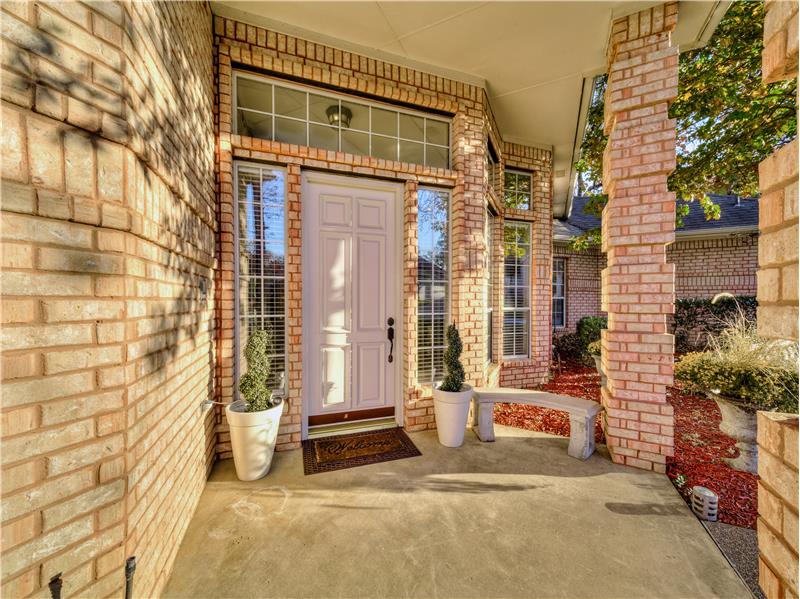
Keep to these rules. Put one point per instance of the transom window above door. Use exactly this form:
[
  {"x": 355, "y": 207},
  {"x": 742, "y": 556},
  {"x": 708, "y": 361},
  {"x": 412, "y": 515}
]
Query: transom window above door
[{"x": 279, "y": 111}]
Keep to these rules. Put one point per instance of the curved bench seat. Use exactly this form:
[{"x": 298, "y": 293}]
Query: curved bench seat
[{"x": 582, "y": 413}]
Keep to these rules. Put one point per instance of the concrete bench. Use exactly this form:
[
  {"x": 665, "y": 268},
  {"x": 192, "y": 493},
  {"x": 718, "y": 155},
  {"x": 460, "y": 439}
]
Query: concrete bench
[{"x": 582, "y": 413}]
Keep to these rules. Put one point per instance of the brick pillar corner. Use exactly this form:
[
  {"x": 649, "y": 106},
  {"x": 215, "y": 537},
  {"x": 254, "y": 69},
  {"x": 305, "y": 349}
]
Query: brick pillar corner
[{"x": 638, "y": 284}]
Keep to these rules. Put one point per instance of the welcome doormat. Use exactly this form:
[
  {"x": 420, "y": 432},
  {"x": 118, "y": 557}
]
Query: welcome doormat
[{"x": 356, "y": 449}]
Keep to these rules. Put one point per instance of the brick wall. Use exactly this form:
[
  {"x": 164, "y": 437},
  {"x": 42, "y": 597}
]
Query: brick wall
[
  {"x": 703, "y": 268},
  {"x": 638, "y": 223},
  {"x": 583, "y": 283},
  {"x": 777, "y": 504},
  {"x": 777, "y": 318},
  {"x": 243, "y": 46},
  {"x": 108, "y": 231}
]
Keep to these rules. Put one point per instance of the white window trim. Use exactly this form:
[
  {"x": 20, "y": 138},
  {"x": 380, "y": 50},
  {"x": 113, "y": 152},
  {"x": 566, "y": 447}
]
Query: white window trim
[
  {"x": 563, "y": 261},
  {"x": 236, "y": 309},
  {"x": 448, "y": 303},
  {"x": 341, "y": 97},
  {"x": 527, "y": 355}
]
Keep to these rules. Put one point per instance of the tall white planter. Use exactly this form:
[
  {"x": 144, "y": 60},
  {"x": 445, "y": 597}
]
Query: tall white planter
[
  {"x": 740, "y": 425},
  {"x": 253, "y": 437},
  {"x": 451, "y": 411}
]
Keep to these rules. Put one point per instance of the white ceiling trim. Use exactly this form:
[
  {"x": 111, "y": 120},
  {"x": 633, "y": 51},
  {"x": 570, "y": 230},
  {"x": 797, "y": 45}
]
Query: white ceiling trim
[{"x": 223, "y": 10}]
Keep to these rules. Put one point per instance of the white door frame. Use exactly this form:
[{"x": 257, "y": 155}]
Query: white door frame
[{"x": 351, "y": 182}]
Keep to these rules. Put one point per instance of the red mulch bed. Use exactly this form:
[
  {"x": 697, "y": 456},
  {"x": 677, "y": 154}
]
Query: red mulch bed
[{"x": 699, "y": 446}]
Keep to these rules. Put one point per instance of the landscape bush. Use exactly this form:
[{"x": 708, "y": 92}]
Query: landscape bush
[{"x": 757, "y": 373}]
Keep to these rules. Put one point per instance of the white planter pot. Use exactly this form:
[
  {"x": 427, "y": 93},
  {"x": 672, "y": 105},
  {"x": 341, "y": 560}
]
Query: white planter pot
[
  {"x": 253, "y": 436},
  {"x": 740, "y": 425},
  {"x": 451, "y": 411}
]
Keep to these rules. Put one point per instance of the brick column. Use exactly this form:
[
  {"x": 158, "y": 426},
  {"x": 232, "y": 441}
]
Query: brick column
[
  {"x": 467, "y": 245},
  {"x": 777, "y": 223},
  {"x": 777, "y": 318},
  {"x": 638, "y": 224}
]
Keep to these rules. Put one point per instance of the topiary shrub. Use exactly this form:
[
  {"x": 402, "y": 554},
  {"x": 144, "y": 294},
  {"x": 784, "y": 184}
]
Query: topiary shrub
[
  {"x": 594, "y": 348},
  {"x": 757, "y": 373},
  {"x": 254, "y": 386},
  {"x": 588, "y": 330},
  {"x": 454, "y": 371}
]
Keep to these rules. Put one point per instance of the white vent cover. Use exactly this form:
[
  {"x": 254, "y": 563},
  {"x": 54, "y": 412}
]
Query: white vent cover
[{"x": 705, "y": 503}]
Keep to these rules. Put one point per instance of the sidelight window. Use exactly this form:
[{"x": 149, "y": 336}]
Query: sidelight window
[
  {"x": 261, "y": 261},
  {"x": 433, "y": 282}
]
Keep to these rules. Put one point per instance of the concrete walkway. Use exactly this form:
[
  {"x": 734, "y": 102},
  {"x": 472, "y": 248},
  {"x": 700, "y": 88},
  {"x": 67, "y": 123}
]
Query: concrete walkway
[{"x": 514, "y": 518}]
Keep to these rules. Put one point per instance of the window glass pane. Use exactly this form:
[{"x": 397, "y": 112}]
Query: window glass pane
[
  {"x": 323, "y": 137},
  {"x": 411, "y": 152},
  {"x": 384, "y": 147},
  {"x": 517, "y": 190},
  {"x": 253, "y": 94},
  {"x": 510, "y": 181},
  {"x": 438, "y": 132},
  {"x": 412, "y": 127},
  {"x": 359, "y": 115},
  {"x": 437, "y": 157},
  {"x": 254, "y": 124},
  {"x": 260, "y": 280},
  {"x": 318, "y": 108},
  {"x": 355, "y": 143},
  {"x": 516, "y": 293},
  {"x": 290, "y": 102},
  {"x": 290, "y": 132},
  {"x": 384, "y": 122},
  {"x": 432, "y": 281}
]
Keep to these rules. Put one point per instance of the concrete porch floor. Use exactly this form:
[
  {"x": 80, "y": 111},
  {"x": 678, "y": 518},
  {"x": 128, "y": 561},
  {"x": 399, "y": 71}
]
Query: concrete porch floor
[{"x": 514, "y": 518}]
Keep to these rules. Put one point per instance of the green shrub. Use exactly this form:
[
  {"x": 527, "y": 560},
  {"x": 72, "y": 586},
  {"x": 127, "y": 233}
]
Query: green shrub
[
  {"x": 567, "y": 346},
  {"x": 594, "y": 348},
  {"x": 454, "y": 371},
  {"x": 758, "y": 373},
  {"x": 588, "y": 330},
  {"x": 254, "y": 386}
]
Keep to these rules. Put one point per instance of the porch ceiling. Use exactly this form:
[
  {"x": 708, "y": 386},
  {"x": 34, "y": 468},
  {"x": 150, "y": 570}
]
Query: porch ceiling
[{"x": 535, "y": 59}]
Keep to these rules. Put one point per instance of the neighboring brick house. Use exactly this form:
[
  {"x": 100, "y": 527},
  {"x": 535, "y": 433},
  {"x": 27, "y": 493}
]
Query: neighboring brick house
[{"x": 710, "y": 257}]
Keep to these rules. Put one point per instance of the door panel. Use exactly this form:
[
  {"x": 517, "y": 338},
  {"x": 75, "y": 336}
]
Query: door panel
[
  {"x": 334, "y": 283},
  {"x": 350, "y": 279},
  {"x": 370, "y": 386},
  {"x": 371, "y": 285},
  {"x": 335, "y": 369}
]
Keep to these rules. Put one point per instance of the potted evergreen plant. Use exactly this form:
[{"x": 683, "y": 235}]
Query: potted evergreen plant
[
  {"x": 254, "y": 419},
  {"x": 452, "y": 397}
]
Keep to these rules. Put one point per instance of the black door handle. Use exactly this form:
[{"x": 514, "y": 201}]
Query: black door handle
[{"x": 390, "y": 336}]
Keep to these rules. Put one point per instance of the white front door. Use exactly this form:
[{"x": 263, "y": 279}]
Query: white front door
[{"x": 351, "y": 276}]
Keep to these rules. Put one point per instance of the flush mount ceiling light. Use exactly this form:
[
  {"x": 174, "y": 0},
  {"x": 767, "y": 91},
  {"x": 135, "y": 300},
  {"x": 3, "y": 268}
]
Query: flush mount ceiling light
[{"x": 338, "y": 115}]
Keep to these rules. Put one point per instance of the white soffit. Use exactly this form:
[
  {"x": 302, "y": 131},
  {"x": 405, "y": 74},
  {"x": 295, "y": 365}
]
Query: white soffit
[{"x": 535, "y": 59}]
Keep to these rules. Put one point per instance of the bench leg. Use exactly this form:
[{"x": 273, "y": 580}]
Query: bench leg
[
  {"x": 581, "y": 437},
  {"x": 482, "y": 420}
]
